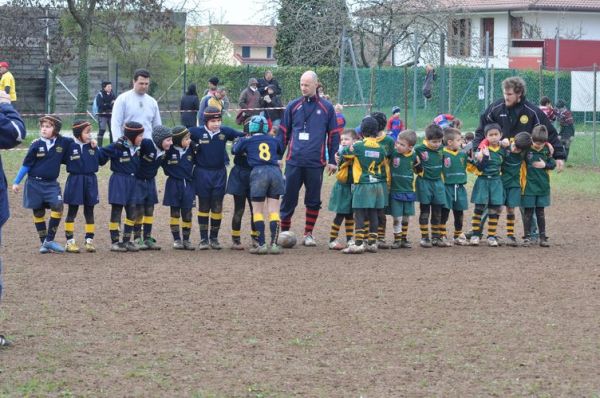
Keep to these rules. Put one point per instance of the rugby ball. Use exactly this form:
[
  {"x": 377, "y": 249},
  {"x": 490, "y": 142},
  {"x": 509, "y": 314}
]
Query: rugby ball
[{"x": 287, "y": 239}]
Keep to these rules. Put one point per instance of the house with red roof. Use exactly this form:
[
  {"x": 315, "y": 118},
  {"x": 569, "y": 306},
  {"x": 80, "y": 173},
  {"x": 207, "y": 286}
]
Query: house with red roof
[{"x": 231, "y": 44}]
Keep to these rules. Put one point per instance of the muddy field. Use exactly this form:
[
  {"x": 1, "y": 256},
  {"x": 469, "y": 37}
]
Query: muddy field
[{"x": 460, "y": 321}]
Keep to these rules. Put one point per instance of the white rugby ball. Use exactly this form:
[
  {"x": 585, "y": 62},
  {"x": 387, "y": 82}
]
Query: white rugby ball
[{"x": 287, "y": 239}]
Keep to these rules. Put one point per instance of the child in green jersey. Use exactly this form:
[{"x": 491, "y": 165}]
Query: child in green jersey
[
  {"x": 488, "y": 190},
  {"x": 535, "y": 184},
  {"x": 340, "y": 200},
  {"x": 430, "y": 187},
  {"x": 402, "y": 189},
  {"x": 368, "y": 158},
  {"x": 455, "y": 178},
  {"x": 388, "y": 143}
]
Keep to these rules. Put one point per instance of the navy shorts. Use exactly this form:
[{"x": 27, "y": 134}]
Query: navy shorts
[
  {"x": 210, "y": 183},
  {"x": 179, "y": 193},
  {"x": 238, "y": 182},
  {"x": 40, "y": 194},
  {"x": 120, "y": 189},
  {"x": 266, "y": 181},
  {"x": 144, "y": 192},
  {"x": 81, "y": 189}
]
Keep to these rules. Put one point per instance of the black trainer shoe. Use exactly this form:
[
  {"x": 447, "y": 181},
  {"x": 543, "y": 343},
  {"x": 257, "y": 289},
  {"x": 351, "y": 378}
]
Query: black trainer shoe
[{"x": 4, "y": 342}]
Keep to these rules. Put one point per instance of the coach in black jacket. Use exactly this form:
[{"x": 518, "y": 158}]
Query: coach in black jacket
[{"x": 515, "y": 114}]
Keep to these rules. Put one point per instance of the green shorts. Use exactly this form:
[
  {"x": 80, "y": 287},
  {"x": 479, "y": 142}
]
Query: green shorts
[
  {"x": 456, "y": 197},
  {"x": 529, "y": 201},
  {"x": 431, "y": 192},
  {"x": 488, "y": 191},
  {"x": 512, "y": 197},
  {"x": 368, "y": 196},
  {"x": 399, "y": 208},
  {"x": 340, "y": 201}
]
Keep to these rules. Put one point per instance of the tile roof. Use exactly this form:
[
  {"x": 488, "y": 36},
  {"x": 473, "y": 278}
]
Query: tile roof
[
  {"x": 249, "y": 35},
  {"x": 505, "y": 5}
]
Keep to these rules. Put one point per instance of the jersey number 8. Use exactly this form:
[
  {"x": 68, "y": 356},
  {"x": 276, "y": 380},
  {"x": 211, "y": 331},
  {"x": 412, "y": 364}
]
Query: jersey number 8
[{"x": 263, "y": 152}]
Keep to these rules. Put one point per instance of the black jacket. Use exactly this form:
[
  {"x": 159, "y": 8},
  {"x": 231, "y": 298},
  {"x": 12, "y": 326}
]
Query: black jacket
[
  {"x": 273, "y": 114},
  {"x": 527, "y": 116},
  {"x": 264, "y": 83},
  {"x": 189, "y": 103},
  {"x": 105, "y": 102}
]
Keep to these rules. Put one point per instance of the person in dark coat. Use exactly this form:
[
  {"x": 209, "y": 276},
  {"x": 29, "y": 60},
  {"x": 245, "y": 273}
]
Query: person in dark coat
[
  {"x": 268, "y": 80},
  {"x": 190, "y": 104},
  {"x": 270, "y": 101},
  {"x": 105, "y": 99}
]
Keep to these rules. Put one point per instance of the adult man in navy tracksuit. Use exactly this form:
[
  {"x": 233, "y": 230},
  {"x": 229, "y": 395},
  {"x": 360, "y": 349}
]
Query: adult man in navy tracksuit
[
  {"x": 309, "y": 127},
  {"x": 12, "y": 132}
]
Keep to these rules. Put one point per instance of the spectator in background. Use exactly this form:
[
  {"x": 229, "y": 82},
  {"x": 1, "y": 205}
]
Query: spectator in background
[
  {"x": 394, "y": 124},
  {"x": 265, "y": 82},
  {"x": 321, "y": 92},
  {"x": 213, "y": 83},
  {"x": 269, "y": 101},
  {"x": 546, "y": 107},
  {"x": 105, "y": 99},
  {"x": 249, "y": 102},
  {"x": 216, "y": 100},
  {"x": 339, "y": 116},
  {"x": 7, "y": 82},
  {"x": 12, "y": 132},
  {"x": 189, "y": 106},
  {"x": 567, "y": 130}
]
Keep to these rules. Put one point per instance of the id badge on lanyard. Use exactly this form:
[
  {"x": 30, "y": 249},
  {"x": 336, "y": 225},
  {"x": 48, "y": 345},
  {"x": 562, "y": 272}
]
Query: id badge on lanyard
[{"x": 303, "y": 135}]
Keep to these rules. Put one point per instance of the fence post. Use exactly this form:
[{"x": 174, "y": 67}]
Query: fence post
[
  {"x": 450, "y": 90},
  {"x": 406, "y": 95},
  {"x": 184, "y": 77},
  {"x": 491, "y": 96},
  {"x": 442, "y": 102},
  {"x": 372, "y": 88},
  {"x": 595, "y": 153},
  {"x": 116, "y": 79},
  {"x": 342, "y": 56},
  {"x": 541, "y": 82},
  {"x": 414, "y": 105}
]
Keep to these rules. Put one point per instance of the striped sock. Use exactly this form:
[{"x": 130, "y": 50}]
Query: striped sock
[
  {"x": 476, "y": 222},
  {"x": 404, "y": 233},
  {"x": 69, "y": 230},
  {"x": 372, "y": 238},
  {"x": 381, "y": 233},
  {"x": 236, "y": 235},
  {"x": 492, "y": 225},
  {"x": 510, "y": 225},
  {"x": 137, "y": 228},
  {"x": 128, "y": 229},
  {"x": 397, "y": 236},
  {"x": 311, "y": 219},
  {"x": 334, "y": 232},
  {"x": 349, "y": 226},
  {"x": 286, "y": 224},
  {"x": 424, "y": 231},
  {"x": 359, "y": 235},
  {"x": 40, "y": 227},
  {"x": 174, "y": 225},
  {"x": 186, "y": 229}
]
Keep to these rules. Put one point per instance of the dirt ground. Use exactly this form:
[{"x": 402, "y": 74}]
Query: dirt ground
[{"x": 460, "y": 321}]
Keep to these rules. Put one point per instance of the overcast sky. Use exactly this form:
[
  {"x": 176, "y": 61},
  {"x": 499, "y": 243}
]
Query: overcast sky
[{"x": 244, "y": 12}]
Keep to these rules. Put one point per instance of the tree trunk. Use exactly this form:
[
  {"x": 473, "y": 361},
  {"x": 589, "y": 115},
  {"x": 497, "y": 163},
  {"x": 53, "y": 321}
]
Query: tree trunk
[{"x": 83, "y": 80}]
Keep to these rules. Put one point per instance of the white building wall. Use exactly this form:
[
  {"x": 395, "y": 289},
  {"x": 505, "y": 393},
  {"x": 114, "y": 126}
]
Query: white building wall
[{"x": 573, "y": 25}]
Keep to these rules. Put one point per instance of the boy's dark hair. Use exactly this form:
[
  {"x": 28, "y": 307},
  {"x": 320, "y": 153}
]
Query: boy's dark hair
[
  {"x": 539, "y": 134},
  {"x": 523, "y": 141},
  {"x": 490, "y": 127},
  {"x": 381, "y": 119},
  {"x": 470, "y": 136},
  {"x": 351, "y": 133},
  {"x": 55, "y": 120},
  {"x": 434, "y": 132},
  {"x": 409, "y": 136},
  {"x": 561, "y": 103},
  {"x": 140, "y": 73},
  {"x": 456, "y": 123},
  {"x": 451, "y": 133},
  {"x": 369, "y": 127},
  {"x": 544, "y": 101}
]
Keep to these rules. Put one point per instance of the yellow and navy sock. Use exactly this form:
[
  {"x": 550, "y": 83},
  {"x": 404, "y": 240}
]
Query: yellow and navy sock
[
  {"x": 40, "y": 227},
  {"x": 113, "y": 227},
  {"x": 476, "y": 222},
  {"x": 215, "y": 224},
  {"x": 492, "y": 225},
  {"x": 404, "y": 233},
  {"x": 186, "y": 229},
  {"x": 381, "y": 232},
  {"x": 274, "y": 227},
  {"x": 69, "y": 229},
  {"x": 137, "y": 227},
  {"x": 175, "y": 228},
  {"x": 259, "y": 222},
  {"x": 148, "y": 221},
  {"x": 236, "y": 235},
  {"x": 53, "y": 224},
  {"x": 90, "y": 231},
  {"x": 349, "y": 226},
  {"x": 510, "y": 225},
  {"x": 424, "y": 231},
  {"x": 128, "y": 229},
  {"x": 334, "y": 232},
  {"x": 203, "y": 225},
  {"x": 359, "y": 235},
  {"x": 372, "y": 238}
]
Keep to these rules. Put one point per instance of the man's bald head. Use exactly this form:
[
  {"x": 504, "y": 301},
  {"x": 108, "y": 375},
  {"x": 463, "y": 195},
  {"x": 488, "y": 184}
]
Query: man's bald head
[{"x": 308, "y": 83}]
